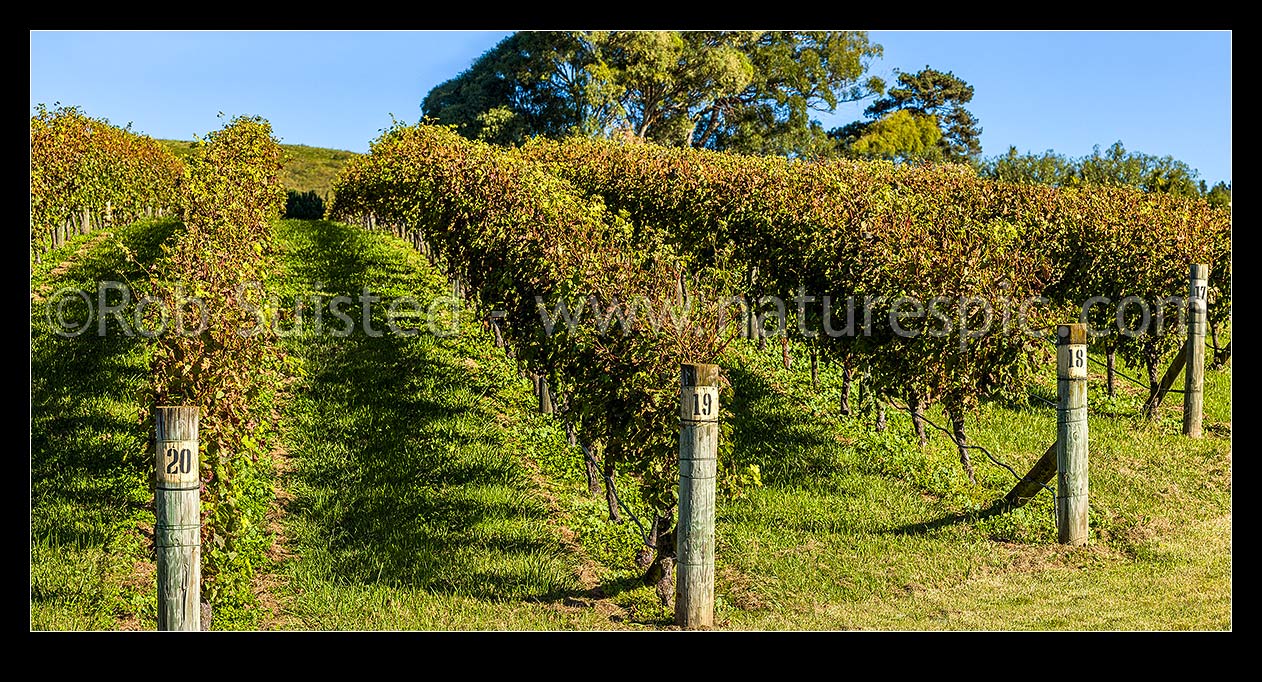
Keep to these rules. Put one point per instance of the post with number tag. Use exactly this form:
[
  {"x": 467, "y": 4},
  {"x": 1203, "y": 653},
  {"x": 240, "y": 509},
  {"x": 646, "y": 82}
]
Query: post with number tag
[
  {"x": 698, "y": 462},
  {"x": 1071, "y": 433},
  {"x": 177, "y": 531},
  {"x": 1194, "y": 375}
]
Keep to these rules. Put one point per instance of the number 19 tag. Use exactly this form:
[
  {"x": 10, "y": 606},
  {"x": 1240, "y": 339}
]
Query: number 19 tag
[{"x": 699, "y": 403}]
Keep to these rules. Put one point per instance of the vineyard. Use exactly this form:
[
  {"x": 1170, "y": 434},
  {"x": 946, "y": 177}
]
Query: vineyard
[
  {"x": 86, "y": 173},
  {"x": 884, "y": 338}
]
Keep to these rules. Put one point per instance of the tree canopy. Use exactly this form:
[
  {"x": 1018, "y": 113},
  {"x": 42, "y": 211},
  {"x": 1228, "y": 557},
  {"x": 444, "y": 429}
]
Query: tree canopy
[
  {"x": 927, "y": 93},
  {"x": 750, "y": 91},
  {"x": 1115, "y": 166},
  {"x": 900, "y": 136}
]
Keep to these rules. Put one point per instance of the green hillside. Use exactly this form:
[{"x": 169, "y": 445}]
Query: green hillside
[{"x": 307, "y": 168}]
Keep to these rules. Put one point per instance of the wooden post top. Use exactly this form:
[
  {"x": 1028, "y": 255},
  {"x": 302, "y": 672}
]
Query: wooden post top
[
  {"x": 176, "y": 422},
  {"x": 695, "y": 374},
  {"x": 1198, "y": 271},
  {"x": 1071, "y": 334}
]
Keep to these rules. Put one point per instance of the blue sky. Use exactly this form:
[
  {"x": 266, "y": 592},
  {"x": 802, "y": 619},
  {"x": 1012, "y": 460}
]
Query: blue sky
[{"x": 1159, "y": 92}]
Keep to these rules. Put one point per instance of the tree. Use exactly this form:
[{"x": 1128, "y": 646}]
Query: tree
[
  {"x": 1135, "y": 169},
  {"x": 900, "y": 136},
  {"x": 1115, "y": 166},
  {"x": 750, "y": 91},
  {"x": 1218, "y": 195},
  {"x": 928, "y": 92},
  {"x": 1049, "y": 168},
  {"x": 528, "y": 84}
]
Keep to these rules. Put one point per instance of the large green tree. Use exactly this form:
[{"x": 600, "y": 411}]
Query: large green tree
[
  {"x": 751, "y": 91},
  {"x": 900, "y": 136},
  {"x": 1114, "y": 166},
  {"x": 926, "y": 93}
]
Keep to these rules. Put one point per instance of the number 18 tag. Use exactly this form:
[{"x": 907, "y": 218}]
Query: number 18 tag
[{"x": 1071, "y": 361}]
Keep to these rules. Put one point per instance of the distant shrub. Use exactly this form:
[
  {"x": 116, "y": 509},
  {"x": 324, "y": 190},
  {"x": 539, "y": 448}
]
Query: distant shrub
[{"x": 304, "y": 205}]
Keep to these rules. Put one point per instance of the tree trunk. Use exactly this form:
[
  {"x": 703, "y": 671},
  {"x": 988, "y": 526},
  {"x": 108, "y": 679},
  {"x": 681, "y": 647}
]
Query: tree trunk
[
  {"x": 1154, "y": 386},
  {"x": 611, "y": 498},
  {"x": 646, "y": 556},
  {"x": 1221, "y": 357},
  {"x": 545, "y": 395},
  {"x": 593, "y": 475},
  {"x": 661, "y": 571},
  {"x": 499, "y": 333},
  {"x": 918, "y": 417},
  {"x": 880, "y": 415},
  {"x": 1155, "y": 396},
  {"x": 846, "y": 377},
  {"x": 1110, "y": 360},
  {"x": 814, "y": 368},
  {"x": 961, "y": 441}
]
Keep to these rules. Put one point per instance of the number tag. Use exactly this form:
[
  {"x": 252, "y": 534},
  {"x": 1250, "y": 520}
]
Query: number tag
[
  {"x": 699, "y": 403},
  {"x": 1200, "y": 290},
  {"x": 177, "y": 463},
  {"x": 1071, "y": 361}
]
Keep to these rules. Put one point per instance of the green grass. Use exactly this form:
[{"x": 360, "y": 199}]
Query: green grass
[
  {"x": 91, "y": 501},
  {"x": 412, "y": 504},
  {"x": 863, "y": 530},
  {"x": 306, "y": 168},
  {"x": 421, "y": 490}
]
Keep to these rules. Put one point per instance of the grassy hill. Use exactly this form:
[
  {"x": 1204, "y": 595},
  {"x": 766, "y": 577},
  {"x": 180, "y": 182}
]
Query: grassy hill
[{"x": 307, "y": 168}]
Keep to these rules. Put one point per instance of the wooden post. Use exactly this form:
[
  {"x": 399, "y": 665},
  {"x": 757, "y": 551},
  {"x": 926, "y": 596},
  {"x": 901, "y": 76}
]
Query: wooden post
[
  {"x": 1043, "y": 471},
  {"x": 1194, "y": 375},
  {"x": 545, "y": 396},
  {"x": 1167, "y": 381},
  {"x": 1071, "y": 433},
  {"x": 177, "y": 531},
  {"x": 698, "y": 453}
]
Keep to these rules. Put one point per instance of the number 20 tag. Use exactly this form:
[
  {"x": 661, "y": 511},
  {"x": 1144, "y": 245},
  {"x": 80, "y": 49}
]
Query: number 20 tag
[{"x": 177, "y": 463}]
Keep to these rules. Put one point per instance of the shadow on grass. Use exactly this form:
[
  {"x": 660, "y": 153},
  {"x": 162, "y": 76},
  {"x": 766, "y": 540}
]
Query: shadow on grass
[
  {"x": 89, "y": 470},
  {"x": 401, "y": 474},
  {"x": 926, "y": 527},
  {"x": 789, "y": 446}
]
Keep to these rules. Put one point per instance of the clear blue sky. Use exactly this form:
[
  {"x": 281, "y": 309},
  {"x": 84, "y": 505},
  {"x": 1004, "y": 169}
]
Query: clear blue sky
[{"x": 1159, "y": 92}]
